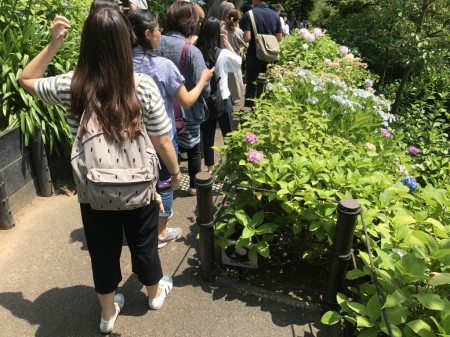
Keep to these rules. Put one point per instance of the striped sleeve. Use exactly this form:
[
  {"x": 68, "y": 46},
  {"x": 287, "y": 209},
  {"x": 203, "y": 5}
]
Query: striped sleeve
[
  {"x": 155, "y": 117},
  {"x": 54, "y": 90}
]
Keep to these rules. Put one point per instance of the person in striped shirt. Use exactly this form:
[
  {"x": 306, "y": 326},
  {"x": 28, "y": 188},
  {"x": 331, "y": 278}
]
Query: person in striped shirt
[
  {"x": 171, "y": 85},
  {"x": 104, "y": 82}
]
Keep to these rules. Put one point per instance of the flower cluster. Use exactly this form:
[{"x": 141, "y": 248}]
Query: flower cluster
[
  {"x": 255, "y": 156},
  {"x": 307, "y": 35},
  {"x": 250, "y": 138},
  {"x": 368, "y": 83},
  {"x": 343, "y": 50},
  {"x": 386, "y": 133},
  {"x": 410, "y": 182},
  {"x": 413, "y": 150},
  {"x": 371, "y": 147},
  {"x": 318, "y": 33}
]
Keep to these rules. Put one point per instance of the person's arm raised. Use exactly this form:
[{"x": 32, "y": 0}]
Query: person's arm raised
[
  {"x": 187, "y": 98},
  {"x": 37, "y": 67}
]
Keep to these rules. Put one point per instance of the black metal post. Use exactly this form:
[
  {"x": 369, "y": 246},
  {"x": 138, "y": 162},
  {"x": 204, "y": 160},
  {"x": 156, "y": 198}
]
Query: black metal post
[
  {"x": 40, "y": 163},
  {"x": 6, "y": 217},
  {"x": 341, "y": 251},
  {"x": 260, "y": 85},
  {"x": 204, "y": 183}
]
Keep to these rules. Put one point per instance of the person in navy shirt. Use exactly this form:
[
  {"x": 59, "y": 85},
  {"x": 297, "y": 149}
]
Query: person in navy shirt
[{"x": 267, "y": 22}]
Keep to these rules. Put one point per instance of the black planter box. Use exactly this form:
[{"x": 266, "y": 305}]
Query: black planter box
[{"x": 24, "y": 174}]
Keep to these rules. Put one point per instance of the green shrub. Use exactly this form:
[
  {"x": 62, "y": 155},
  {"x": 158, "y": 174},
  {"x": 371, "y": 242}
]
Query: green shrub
[
  {"x": 24, "y": 31},
  {"x": 318, "y": 139}
]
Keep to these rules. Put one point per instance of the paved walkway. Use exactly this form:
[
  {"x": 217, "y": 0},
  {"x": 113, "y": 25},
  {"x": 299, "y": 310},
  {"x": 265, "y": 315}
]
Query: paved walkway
[{"x": 46, "y": 285}]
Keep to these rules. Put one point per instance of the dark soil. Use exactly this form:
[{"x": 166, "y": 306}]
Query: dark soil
[{"x": 295, "y": 278}]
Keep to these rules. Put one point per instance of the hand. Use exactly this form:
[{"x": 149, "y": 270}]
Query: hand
[
  {"x": 224, "y": 36},
  {"x": 207, "y": 74},
  {"x": 59, "y": 29},
  {"x": 175, "y": 181}
]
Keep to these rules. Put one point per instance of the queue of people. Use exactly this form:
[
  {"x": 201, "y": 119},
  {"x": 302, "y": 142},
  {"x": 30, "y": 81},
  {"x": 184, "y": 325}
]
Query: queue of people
[{"x": 164, "y": 88}]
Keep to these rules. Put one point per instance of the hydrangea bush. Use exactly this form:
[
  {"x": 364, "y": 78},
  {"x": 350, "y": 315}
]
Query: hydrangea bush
[{"x": 314, "y": 139}]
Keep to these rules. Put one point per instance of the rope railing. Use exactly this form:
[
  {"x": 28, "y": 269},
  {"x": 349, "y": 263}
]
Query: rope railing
[{"x": 341, "y": 252}]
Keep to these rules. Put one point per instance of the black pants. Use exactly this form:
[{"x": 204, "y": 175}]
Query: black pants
[
  {"x": 194, "y": 162},
  {"x": 209, "y": 131},
  {"x": 104, "y": 236},
  {"x": 253, "y": 68}
]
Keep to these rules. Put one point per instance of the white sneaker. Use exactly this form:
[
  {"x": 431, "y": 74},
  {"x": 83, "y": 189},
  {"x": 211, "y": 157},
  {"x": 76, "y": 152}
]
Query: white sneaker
[
  {"x": 166, "y": 285},
  {"x": 192, "y": 191},
  {"x": 172, "y": 234},
  {"x": 107, "y": 326}
]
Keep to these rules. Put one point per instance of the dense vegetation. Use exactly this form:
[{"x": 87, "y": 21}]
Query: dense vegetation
[{"x": 320, "y": 134}]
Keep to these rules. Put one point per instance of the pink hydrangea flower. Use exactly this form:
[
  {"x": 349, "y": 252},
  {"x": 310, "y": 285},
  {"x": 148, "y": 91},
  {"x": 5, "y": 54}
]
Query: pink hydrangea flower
[
  {"x": 318, "y": 33},
  {"x": 309, "y": 37},
  {"x": 255, "y": 156},
  {"x": 386, "y": 133},
  {"x": 250, "y": 138},
  {"x": 413, "y": 150}
]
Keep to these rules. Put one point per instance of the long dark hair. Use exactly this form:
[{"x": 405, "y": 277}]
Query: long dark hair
[
  {"x": 209, "y": 39},
  {"x": 98, "y": 4},
  {"x": 103, "y": 81},
  {"x": 140, "y": 21},
  {"x": 183, "y": 17}
]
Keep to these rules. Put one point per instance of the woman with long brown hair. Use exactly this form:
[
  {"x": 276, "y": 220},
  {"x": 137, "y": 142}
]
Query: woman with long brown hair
[{"x": 103, "y": 84}]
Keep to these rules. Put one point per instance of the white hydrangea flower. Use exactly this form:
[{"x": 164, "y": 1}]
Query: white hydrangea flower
[{"x": 343, "y": 50}]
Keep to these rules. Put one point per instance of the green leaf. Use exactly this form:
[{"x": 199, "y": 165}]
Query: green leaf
[
  {"x": 363, "y": 322},
  {"x": 355, "y": 273},
  {"x": 373, "y": 307},
  {"x": 439, "y": 228},
  {"x": 430, "y": 301},
  {"x": 266, "y": 228},
  {"x": 385, "y": 197},
  {"x": 358, "y": 308},
  {"x": 263, "y": 248},
  {"x": 394, "y": 299},
  {"x": 258, "y": 218},
  {"x": 247, "y": 233},
  {"x": 242, "y": 217},
  {"x": 421, "y": 328},
  {"x": 403, "y": 220},
  {"x": 412, "y": 267},
  {"x": 331, "y": 318}
]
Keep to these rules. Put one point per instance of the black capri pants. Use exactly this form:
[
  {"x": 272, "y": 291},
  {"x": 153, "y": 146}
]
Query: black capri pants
[{"x": 104, "y": 236}]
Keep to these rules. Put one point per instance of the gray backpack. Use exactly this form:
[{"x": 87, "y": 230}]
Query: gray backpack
[{"x": 111, "y": 175}]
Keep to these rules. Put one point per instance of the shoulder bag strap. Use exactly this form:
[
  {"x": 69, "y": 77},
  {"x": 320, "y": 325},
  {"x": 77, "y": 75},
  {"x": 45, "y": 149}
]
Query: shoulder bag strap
[
  {"x": 250, "y": 13},
  {"x": 183, "y": 57}
]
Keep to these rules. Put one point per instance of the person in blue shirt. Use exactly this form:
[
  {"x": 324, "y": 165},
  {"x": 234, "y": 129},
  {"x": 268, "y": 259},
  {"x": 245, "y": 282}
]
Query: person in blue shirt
[
  {"x": 171, "y": 84},
  {"x": 183, "y": 22},
  {"x": 267, "y": 22}
]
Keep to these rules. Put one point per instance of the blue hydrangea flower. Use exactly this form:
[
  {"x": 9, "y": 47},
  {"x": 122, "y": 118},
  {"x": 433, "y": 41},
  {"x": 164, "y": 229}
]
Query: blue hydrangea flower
[{"x": 411, "y": 183}]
